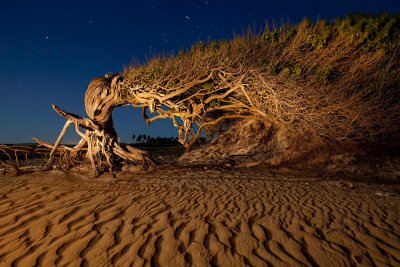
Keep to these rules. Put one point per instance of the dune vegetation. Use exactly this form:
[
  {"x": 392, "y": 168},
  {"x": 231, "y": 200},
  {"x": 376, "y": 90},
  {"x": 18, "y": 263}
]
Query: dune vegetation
[{"x": 336, "y": 79}]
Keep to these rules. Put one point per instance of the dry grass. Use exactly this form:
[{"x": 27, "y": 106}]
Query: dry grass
[{"x": 312, "y": 77}]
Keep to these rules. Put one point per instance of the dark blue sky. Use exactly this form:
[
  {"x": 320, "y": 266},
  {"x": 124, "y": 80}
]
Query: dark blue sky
[{"x": 50, "y": 50}]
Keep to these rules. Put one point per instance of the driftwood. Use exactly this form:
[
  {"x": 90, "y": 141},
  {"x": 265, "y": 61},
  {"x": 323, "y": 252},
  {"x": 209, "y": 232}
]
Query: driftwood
[
  {"x": 15, "y": 168},
  {"x": 11, "y": 155}
]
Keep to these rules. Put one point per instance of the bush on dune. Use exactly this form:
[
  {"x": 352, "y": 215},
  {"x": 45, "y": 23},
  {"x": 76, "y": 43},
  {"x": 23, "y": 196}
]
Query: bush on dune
[{"x": 338, "y": 80}]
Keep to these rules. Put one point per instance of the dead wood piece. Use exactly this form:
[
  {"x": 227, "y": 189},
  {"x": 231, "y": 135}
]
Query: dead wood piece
[{"x": 15, "y": 170}]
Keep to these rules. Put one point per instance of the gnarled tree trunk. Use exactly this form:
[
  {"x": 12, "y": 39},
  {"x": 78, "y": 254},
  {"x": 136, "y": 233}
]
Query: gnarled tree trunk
[
  {"x": 101, "y": 97},
  {"x": 103, "y": 150}
]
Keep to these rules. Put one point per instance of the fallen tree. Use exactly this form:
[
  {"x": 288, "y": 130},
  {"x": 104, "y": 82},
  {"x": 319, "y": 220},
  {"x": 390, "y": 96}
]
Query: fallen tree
[{"x": 332, "y": 81}]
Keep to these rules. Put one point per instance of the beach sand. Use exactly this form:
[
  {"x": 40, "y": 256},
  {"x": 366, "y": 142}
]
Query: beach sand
[{"x": 196, "y": 218}]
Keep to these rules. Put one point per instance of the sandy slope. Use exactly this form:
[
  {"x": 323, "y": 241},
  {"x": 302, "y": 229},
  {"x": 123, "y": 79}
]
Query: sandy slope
[{"x": 201, "y": 218}]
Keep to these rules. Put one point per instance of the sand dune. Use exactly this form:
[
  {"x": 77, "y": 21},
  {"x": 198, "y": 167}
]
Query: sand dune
[{"x": 201, "y": 218}]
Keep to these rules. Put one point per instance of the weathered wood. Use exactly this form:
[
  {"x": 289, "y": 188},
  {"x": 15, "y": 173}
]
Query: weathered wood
[
  {"x": 103, "y": 151},
  {"x": 49, "y": 164},
  {"x": 15, "y": 168}
]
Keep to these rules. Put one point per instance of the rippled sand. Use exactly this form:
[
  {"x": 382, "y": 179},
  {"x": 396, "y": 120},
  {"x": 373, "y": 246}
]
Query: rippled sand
[{"x": 201, "y": 218}]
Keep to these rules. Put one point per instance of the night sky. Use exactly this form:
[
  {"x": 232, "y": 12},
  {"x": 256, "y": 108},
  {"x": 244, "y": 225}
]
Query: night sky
[{"x": 50, "y": 50}]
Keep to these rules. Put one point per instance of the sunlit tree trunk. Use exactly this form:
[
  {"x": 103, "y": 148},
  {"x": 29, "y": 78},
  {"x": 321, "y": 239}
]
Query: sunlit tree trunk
[{"x": 103, "y": 149}]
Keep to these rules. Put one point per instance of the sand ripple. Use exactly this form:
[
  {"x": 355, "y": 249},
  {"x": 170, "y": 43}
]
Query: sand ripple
[{"x": 199, "y": 218}]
